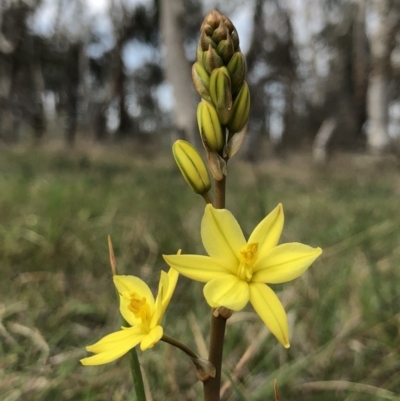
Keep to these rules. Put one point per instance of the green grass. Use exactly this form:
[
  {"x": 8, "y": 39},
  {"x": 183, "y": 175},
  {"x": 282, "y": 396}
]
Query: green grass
[{"x": 56, "y": 293}]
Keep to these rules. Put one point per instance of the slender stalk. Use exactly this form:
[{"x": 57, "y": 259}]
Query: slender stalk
[
  {"x": 220, "y": 194},
  {"x": 212, "y": 386},
  {"x": 137, "y": 376},
  {"x": 134, "y": 360},
  {"x": 207, "y": 197},
  {"x": 178, "y": 344}
]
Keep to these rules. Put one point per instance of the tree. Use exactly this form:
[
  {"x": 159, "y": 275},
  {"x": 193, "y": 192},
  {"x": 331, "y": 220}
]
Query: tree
[
  {"x": 177, "y": 68},
  {"x": 382, "y": 41}
]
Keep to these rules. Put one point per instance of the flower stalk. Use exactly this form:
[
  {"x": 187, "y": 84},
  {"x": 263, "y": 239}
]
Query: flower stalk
[{"x": 218, "y": 323}]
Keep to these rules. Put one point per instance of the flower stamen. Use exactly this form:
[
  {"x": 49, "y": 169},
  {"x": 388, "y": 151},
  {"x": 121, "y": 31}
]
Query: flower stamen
[
  {"x": 247, "y": 257},
  {"x": 139, "y": 307}
]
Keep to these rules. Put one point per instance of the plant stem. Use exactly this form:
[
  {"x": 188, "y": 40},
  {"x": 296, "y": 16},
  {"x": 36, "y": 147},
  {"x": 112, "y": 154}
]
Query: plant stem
[
  {"x": 212, "y": 386},
  {"x": 137, "y": 376},
  {"x": 220, "y": 194},
  {"x": 178, "y": 344},
  {"x": 207, "y": 197},
  {"x": 134, "y": 360}
]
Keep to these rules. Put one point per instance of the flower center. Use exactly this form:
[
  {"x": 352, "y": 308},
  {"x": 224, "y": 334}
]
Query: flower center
[
  {"x": 247, "y": 257},
  {"x": 139, "y": 307}
]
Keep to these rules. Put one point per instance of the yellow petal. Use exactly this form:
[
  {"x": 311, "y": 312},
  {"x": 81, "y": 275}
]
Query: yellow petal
[
  {"x": 196, "y": 267},
  {"x": 152, "y": 338},
  {"x": 127, "y": 285},
  {"x": 284, "y": 263},
  {"x": 228, "y": 291},
  {"x": 170, "y": 288},
  {"x": 162, "y": 286},
  {"x": 269, "y": 308},
  {"x": 113, "y": 346},
  {"x": 222, "y": 237},
  {"x": 268, "y": 231}
]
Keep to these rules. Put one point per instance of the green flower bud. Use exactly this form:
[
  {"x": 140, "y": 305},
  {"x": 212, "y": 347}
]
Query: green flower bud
[
  {"x": 240, "y": 110},
  {"x": 221, "y": 93},
  {"x": 191, "y": 166},
  {"x": 225, "y": 49},
  {"x": 211, "y": 22},
  {"x": 210, "y": 127},
  {"x": 206, "y": 41},
  {"x": 237, "y": 71},
  {"x": 220, "y": 33},
  {"x": 211, "y": 59},
  {"x": 201, "y": 81},
  {"x": 235, "y": 40},
  {"x": 199, "y": 54}
]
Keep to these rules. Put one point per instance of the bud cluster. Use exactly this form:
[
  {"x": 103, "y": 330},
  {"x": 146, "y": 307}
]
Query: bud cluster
[
  {"x": 222, "y": 114},
  {"x": 218, "y": 77}
]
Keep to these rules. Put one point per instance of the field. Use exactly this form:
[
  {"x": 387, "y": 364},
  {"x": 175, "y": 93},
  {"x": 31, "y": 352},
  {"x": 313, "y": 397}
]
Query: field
[{"x": 56, "y": 292}]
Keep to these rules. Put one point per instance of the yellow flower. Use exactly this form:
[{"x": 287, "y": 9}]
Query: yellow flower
[
  {"x": 141, "y": 311},
  {"x": 237, "y": 271}
]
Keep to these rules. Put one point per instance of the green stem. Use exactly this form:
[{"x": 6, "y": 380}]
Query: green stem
[
  {"x": 178, "y": 344},
  {"x": 207, "y": 197},
  {"x": 220, "y": 194},
  {"x": 134, "y": 360},
  {"x": 137, "y": 376},
  {"x": 212, "y": 386}
]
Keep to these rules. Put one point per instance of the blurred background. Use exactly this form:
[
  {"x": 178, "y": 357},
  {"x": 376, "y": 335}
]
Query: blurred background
[
  {"x": 92, "y": 95},
  {"x": 323, "y": 73}
]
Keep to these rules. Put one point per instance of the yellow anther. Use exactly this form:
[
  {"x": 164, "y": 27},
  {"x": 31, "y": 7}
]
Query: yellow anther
[
  {"x": 247, "y": 256},
  {"x": 248, "y": 253},
  {"x": 139, "y": 307}
]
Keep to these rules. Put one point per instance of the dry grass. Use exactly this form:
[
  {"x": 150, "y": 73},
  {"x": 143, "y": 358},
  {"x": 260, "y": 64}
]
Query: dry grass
[{"x": 56, "y": 296}]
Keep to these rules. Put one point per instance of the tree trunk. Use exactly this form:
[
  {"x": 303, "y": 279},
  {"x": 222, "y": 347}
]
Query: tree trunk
[
  {"x": 125, "y": 125},
  {"x": 382, "y": 43},
  {"x": 72, "y": 93},
  {"x": 360, "y": 65},
  {"x": 177, "y": 68}
]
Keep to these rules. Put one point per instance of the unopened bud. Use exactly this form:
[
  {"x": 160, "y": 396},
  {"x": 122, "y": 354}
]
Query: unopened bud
[
  {"x": 211, "y": 59},
  {"x": 210, "y": 127},
  {"x": 201, "y": 81},
  {"x": 220, "y": 33},
  {"x": 211, "y": 21},
  {"x": 235, "y": 40},
  {"x": 237, "y": 71},
  {"x": 192, "y": 167},
  {"x": 240, "y": 110},
  {"x": 221, "y": 93},
  {"x": 206, "y": 41},
  {"x": 225, "y": 49}
]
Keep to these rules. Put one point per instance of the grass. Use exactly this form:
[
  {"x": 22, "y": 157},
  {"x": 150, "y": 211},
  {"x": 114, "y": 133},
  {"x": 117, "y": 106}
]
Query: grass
[{"x": 56, "y": 296}]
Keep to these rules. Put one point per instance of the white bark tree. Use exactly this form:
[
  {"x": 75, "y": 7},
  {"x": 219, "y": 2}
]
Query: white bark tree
[
  {"x": 177, "y": 68},
  {"x": 386, "y": 14}
]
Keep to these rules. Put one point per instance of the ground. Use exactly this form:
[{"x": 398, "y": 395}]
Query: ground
[{"x": 56, "y": 293}]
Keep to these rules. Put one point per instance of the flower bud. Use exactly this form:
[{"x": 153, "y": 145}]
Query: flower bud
[
  {"x": 206, "y": 41},
  {"x": 211, "y": 59},
  {"x": 220, "y": 33},
  {"x": 191, "y": 166},
  {"x": 201, "y": 81},
  {"x": 199, "y": 54},
  {"x": 221, "y": 94},
  {"x": 210, "y": 127},
  {"x": 211, "y": 21},
  {"x": 240, "y": 110},
  {"x": 237, "y": 71},
  {"x": 225, "y": 49},
  {"x": 235, "y": 40}
]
